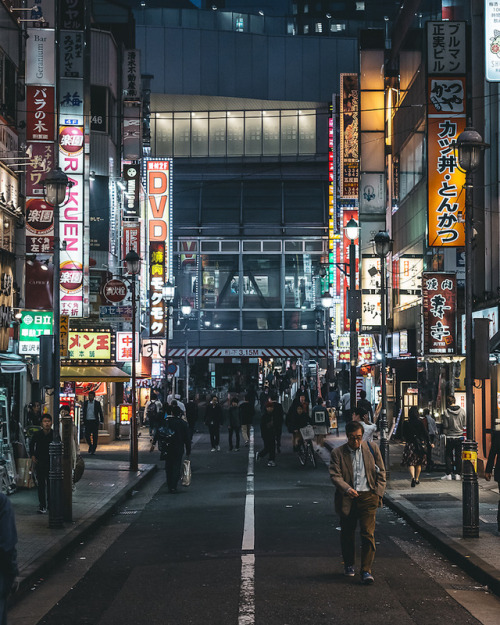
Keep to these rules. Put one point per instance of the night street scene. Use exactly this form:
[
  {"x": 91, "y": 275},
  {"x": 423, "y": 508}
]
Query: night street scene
[{"x": 249, "y": 312}]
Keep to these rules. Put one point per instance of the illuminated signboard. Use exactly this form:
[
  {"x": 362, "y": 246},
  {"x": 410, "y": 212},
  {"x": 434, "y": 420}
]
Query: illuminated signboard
[
  {"x": 33, "y": 324},
  {"x": 124, "y": 347},
  {"x": 89, "y": 345},
  {"x": 349, "y": 136},
  {"x": 439, "y": 302},
  {"x": 158, "y": 183},
  {"x": 446, "y": 200}
]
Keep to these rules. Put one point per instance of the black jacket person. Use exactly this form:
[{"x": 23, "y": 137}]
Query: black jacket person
[{"x": 180, "y": 439}]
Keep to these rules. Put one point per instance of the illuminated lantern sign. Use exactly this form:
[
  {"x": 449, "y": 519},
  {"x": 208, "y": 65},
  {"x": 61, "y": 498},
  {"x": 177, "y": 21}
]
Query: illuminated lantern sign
[{"x": 124, "y": 347}]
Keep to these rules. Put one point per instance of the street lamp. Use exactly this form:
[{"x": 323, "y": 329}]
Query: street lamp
[
  {"x": 327, "y": 303},
  {"x": 383, "y": 245},
  {"x": 470, "y": 147},
  {"x": 186, "y": 312},
  {"x": 133, "y": 266},
  {"x": 351, "y": 230},
  {"x": 55, "y": 187},
  {"x": 168, "y": 297}
]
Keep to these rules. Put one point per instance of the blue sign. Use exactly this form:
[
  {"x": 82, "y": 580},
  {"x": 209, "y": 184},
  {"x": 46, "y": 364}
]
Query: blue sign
[{"x": 116, "y": 313}]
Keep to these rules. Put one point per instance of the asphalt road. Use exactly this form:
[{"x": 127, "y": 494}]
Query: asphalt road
[{"x": 177, "y": 559}]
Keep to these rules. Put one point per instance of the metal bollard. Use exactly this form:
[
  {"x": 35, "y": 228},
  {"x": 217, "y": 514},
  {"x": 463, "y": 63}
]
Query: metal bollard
[
  {"x": 470, "y": 490},
  {"x": 56, "y": 483}
]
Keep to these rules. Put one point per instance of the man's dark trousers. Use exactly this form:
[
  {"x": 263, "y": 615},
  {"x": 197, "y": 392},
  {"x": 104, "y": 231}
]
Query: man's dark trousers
[
  {"x": 42, "y": 479},
  {"x": 214, "y": 435},
  {"x": 364, "y": 510},
  {"x": 92, "y": 434},
  {"x": 173, "y": 464}
]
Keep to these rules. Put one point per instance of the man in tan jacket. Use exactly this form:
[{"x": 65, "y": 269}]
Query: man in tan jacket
[{"x": 358, "y": 473}]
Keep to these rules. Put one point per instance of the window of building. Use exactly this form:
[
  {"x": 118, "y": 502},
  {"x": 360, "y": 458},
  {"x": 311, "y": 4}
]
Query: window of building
[
  {"x": 360, "y": 6},
  {"x": 182, "y": 134},
  {"x": 217, "y": 136},
  {"x": 253, "y": 133},
  {"x": 235, "y": 133},
  {"x": 306, "y": 8},
  {"x": 270, "y": 133},
  {"x": 261, "y": 281},
  {"x": 306, "y": 29},
  {"x": 199, "y": 134},
  {"x": 220, "y": 281},
  {"x": 318, "y": 27},
  {"x": 262, "y": 320},
  {"x": 239, "y": 24},
  {"x": 307, "y": 132},
  {"x": 289, "y": 128},
  {"x": 220, "y": 320},
  {"x": 300, "y": 270}
]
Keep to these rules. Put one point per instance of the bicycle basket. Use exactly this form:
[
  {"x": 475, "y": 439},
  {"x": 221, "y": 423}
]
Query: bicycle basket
[{"x": 307, "y": 432}]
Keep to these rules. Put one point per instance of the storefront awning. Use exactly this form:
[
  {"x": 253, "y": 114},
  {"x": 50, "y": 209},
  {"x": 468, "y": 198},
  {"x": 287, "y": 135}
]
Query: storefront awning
[{"x": 94, "y": 374}]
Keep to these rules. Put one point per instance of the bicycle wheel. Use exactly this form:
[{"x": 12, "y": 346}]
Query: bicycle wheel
[
  {"x": 311, "y": 454},
  {"x": 302, "y": 453}
]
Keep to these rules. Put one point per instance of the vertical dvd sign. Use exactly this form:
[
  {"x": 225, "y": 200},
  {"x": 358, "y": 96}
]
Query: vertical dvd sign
[{"x": 158, "y": 183}]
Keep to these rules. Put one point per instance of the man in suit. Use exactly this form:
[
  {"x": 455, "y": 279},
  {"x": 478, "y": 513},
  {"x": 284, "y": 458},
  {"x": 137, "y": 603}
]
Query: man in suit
[
  {"x": 92, "y": 417},
  {"x": 494, "y": 461},
  {"x": 358, "y": 473}
]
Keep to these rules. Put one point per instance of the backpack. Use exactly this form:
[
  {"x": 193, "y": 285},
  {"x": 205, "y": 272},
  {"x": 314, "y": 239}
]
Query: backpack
[
  {"x": 152, "y": 412},
  {"x": 166, "y": 439}
]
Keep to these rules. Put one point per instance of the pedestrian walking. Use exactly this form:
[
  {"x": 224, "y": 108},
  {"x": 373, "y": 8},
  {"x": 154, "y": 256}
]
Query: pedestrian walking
[
  {"x": 366, "y": 405},
  {"x": 213, "y": 419},
  {"x": 358, "y": 474},
  {"x": 92, "y": 418},
  {"x": 432, "y": 431},
  {"x": 192, "y": 414},
  {"x": 34, "y": 416},
  {"x": 8, "y": 555},
  {"x": 39, "y": 452},
  {"x": 416, "y": 444},
  {"x": 247, "y": 412},
  {"x": 345, "y": 405},
  {"x": 279, "y": 418},
  {"x": 453, "y": 427},
  {"x": 234, "y": 424},
  {"x": 154, "y": 413},
  {"x": 493, "y": 467},
  {"x": 172, "y": 438},
  {"x": 320, "y": 421},
  {"x": 361, "y": 416},
  {"x": 270, "y": 423}
]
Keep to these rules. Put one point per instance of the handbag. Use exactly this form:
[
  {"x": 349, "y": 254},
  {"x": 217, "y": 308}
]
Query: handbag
[
  {"x": 186, "y": 473},
  {"x": 79, "y": 469},
  {"x": 420, "y": 446}
]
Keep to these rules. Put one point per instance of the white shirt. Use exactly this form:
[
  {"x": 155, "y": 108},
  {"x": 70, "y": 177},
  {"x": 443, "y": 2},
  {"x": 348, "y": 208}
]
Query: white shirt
[
  {"x": 369, "y": 430},
  {"x": 358, "y": 469}
]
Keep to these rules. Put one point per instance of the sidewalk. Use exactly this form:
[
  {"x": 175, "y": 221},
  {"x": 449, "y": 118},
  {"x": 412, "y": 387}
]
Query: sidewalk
[
  {"x": 434, "y": 508},
  {"x": 105, "y": 484}
]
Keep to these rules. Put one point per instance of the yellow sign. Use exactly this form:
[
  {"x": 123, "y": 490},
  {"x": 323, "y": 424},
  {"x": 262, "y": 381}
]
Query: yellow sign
[
  {"x": 471, "y": 456},
  {"x": 63, "y": 336},
  {"x": 85, "y": 345}
]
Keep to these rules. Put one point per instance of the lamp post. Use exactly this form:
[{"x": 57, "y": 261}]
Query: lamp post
[
  {"x": 186, "y": 312},
  {"x": 168, "y": 297},
  {"x": 55, "y": 186},
  {"x": 133, "y": 266},
  {"x": 327, "y": 303},
  {"x": 383, "y": 246},
  {"x": 470, "y": 147},
  {"x": 352, "y": 233}
]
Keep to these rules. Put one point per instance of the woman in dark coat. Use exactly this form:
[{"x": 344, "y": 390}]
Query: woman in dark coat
[{"x": 415, "y": 451}]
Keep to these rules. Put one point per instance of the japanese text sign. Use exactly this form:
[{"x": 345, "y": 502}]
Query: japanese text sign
[
  {"x": 87, "y": 345},
  {"x": 492, "y": 40},
  {"x": 124, "y": 347},
  {"x": 446, "y": 201},
  {"x": 439, "y": 295},
  {"x": 40, "y": 115},
  {"x": 33, "y": 324},
  {"x": 349, "y": 136},
  {"x": 446, "y": 47}
]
